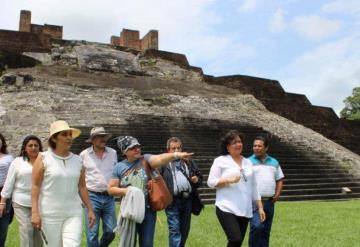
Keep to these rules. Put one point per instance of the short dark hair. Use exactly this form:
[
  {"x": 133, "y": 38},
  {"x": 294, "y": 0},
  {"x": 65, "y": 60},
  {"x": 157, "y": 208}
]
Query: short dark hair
[
  {"x": 228, "y": 138},
  {"x": 25, "y": 142},
  {"x": 264, "y": 139},
  {"x": 51, "y": 143},
  {"x": 4, "y": 145}
]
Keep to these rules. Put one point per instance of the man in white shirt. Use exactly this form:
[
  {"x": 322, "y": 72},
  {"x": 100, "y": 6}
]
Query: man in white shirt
[
  {"x": 269, "y": 178},
  {"x": 99, "y": 162}
]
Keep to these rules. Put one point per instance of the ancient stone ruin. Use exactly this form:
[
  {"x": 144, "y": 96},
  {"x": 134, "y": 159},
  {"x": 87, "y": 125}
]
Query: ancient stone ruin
[{"x": 131, "y": 87}]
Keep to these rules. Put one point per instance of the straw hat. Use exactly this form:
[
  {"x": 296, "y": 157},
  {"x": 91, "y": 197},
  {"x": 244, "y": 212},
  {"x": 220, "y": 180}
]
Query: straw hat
[
  {"x": 98, "y": 131},
  {"x": 61, "y": 125}
]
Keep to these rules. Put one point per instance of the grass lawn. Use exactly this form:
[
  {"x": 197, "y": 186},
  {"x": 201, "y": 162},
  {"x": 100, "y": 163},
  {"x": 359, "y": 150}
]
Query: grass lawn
[{"x": 302, "y": 224}]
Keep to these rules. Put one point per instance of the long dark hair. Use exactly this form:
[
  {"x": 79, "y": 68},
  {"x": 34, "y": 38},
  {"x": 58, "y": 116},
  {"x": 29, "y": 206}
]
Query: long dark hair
[
  {"x": 25, "y": 142},
  {"x": 3, "y": 148},
  {"x": 227, "y": 139}
]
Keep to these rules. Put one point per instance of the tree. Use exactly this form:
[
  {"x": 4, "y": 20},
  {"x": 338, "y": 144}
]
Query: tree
[{"x": 352, "y": 106}]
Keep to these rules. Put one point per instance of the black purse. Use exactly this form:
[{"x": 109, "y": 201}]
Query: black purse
[{"x": 197, "y": 204}]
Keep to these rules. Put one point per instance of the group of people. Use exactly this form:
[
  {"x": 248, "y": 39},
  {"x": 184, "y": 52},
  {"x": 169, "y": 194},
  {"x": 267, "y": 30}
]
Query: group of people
[{"x": 48, "y": 192}]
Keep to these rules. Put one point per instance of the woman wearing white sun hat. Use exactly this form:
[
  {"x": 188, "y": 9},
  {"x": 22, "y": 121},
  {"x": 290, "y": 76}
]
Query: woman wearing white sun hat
[{"x": 58, "y": 189}]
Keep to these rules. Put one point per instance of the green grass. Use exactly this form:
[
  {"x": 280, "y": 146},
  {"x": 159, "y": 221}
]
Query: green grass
[{"x": 302, "y": 224}]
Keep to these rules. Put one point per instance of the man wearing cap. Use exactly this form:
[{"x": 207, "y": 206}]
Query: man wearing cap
[
  {"x": 269, "y": 178},
  {"x": 99, "y": 161}
]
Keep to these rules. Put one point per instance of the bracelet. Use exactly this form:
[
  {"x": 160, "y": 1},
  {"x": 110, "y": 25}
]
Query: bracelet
[
  {"x": 176, "y": 155},
  {"x": 2, "y": 203}
]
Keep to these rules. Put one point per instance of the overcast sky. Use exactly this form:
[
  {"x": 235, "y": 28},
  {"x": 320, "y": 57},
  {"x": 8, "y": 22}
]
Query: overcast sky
[{"x": 311, "y": 46}]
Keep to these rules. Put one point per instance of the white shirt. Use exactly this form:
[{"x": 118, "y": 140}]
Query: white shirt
[
  {"x": 18, "y": 182},
  {"x": 98, "y": 171},
  {"x": 4, "y": 167},
  {"x": 236, "y": 198},
  {"x": 59, "y": 193},
  {"x": 267, "y": 173}
]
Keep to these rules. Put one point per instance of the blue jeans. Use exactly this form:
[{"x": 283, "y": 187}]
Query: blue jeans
[
  {"x": 4, "y": 223},
  {"x": 104, "y": 209},
  {"x": 260, "y": 232},
  {"x": 179, "y": 219},
  {"x": 146, "y": 230}
]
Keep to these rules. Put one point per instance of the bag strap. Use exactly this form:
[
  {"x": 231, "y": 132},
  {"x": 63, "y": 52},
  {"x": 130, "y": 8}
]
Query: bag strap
[{"x": 147, "y": 168}]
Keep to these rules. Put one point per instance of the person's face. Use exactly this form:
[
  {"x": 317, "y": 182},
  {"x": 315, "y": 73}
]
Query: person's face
[
  {"x": 64, "y": 139},
  {"x": 259, "y": 148},
  {"x": 32, "y": 149},
  {"x": 99, "y": 141},
  {"x": 235, "y": 147},
  {"x": 174, "y": 147},
  {"x": 133, "y": 153}
]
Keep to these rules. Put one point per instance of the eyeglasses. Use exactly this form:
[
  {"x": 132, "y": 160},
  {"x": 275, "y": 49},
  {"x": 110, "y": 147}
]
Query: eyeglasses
[{"x": 242, "y": 174}]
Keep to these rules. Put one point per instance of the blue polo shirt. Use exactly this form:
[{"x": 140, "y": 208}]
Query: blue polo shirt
[{"x": 267, "y": 172}]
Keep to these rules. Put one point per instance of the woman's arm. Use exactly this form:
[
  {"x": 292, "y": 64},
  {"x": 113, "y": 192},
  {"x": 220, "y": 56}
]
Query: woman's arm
[
  {"x": 158, "y": 160},
  {"x": 114, "y": 189},
  {"x": 37, "y": 178},
  {"x": 215, "y": 180},
  {"x": 8, "y": 188},
  {"x": 83, "y": 192}
]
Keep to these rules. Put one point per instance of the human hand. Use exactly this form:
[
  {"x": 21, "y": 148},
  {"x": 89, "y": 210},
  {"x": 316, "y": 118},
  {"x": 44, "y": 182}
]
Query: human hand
[
  {"x": 194, "y": 179},
  {"x": 91, "y": 218},
  {"x": 233, "y": 179},
  {"x": 275, "y": 198},
  {"x": 262, "y": 215},
  {"x": 36, "y": 220},
  {"x": 182, "y": 155}
]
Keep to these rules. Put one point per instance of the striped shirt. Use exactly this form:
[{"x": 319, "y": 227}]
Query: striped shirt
[
  {"x": 267, "y": 172},
  {"x": 4, "y": 167}
]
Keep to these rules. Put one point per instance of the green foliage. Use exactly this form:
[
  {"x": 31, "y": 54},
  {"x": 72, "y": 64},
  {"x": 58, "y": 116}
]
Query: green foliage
[
  {"x": 352, "y": 106},
  {"x": 303, "y": 224}
]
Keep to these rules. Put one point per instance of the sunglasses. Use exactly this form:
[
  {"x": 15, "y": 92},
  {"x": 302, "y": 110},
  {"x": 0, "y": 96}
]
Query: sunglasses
[{"x": 43, "y": 236}]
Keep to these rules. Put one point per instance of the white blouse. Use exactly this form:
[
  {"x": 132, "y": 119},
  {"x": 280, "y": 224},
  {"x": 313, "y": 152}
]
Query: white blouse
[
  {"x": 18, "y": 182},
  {"x": 4, "y": 167},
  {"x": 59, "y": 194},
  {"x": 235, "y": 198}
]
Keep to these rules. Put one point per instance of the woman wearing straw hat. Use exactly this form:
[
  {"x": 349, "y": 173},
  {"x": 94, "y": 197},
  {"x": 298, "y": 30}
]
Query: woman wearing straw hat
[{"x": 58, "y": 189}]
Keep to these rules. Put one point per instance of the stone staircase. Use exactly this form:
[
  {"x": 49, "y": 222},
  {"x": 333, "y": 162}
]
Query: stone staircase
[{"x": 309, "y": 175}]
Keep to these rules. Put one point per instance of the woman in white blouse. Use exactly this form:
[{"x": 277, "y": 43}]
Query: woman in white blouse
[
  {"x": 5, "y": 208},
  {"x": 18, "y": 187},
  {"x": 59, "y": 190},
  {"x": 232, "y": 176}
]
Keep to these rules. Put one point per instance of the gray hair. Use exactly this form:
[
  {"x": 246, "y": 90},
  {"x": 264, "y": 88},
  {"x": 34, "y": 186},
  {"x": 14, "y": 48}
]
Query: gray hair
[{"x": 173, "y": 139}]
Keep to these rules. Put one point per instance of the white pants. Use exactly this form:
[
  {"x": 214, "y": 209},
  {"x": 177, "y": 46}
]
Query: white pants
[
  {"x": 29, "y": 236},
  {"x": 62, "y": 231}
]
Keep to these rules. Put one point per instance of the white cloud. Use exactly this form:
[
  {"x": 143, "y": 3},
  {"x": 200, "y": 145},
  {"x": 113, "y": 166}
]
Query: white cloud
[
  {"x": 248, "y": 5},
  {"x": 327, "y": 73},
  {"x": 340, "y": 6},
  {"x": 277, "y": 22},
  {"x": 314, "y": 27}
]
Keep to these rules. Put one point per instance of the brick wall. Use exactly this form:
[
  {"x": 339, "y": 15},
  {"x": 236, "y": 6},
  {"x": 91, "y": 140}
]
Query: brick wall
[
  {"x": 130, "y": 38},
  {"x": 150, "y": 40},
  {"x": 56, "y": 32},
  {"x": 25, "y": 21},
  {"x": 115, "y": 40},
  {"x": 19, "y": 42}
]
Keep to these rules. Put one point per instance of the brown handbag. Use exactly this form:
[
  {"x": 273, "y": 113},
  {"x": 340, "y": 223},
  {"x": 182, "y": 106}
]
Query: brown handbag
[{"x": 159, "y": 194}]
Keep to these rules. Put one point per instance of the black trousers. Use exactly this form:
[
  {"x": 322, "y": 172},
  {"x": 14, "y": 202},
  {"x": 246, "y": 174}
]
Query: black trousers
[{"x": 233, "y": 226}]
